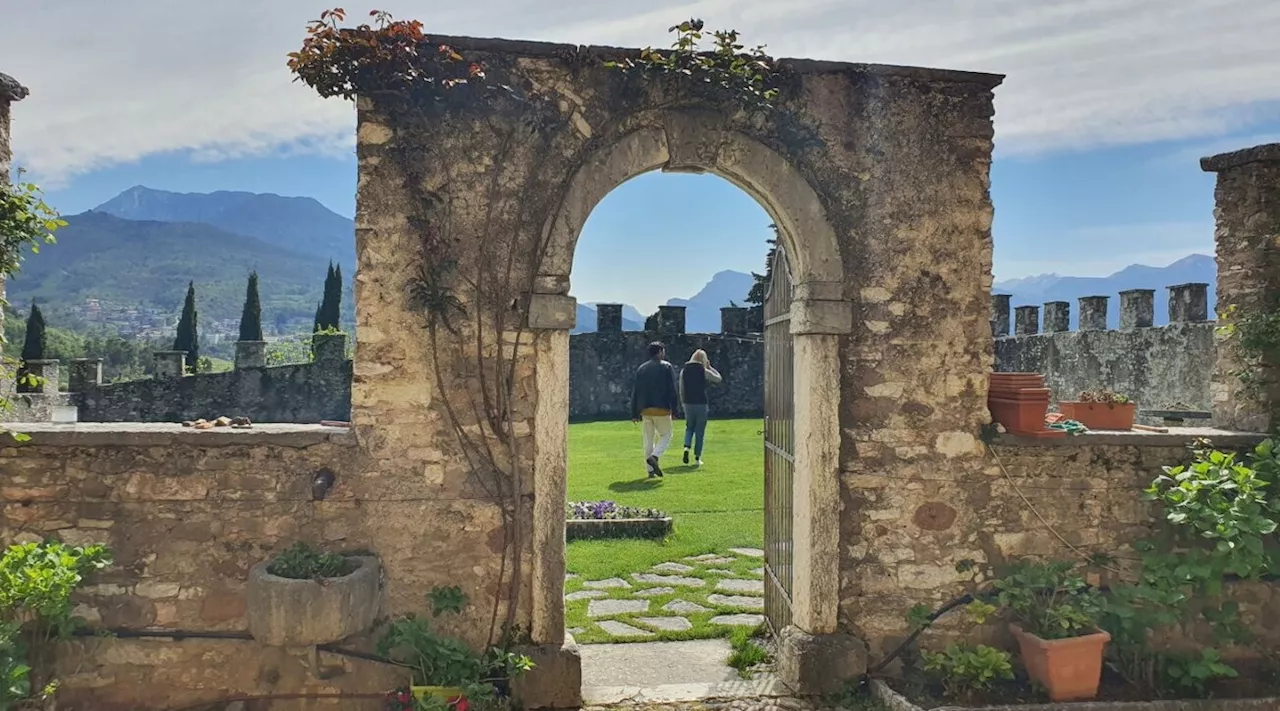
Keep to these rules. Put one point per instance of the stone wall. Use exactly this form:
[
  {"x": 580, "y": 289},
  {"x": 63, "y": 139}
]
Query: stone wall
[
  {"x": 1088, "y": 490},
  {"x": 187, "y": 513},
  {"x": 602, "y": 365},
  {"x": 1158, "y": 367},
  {"x": 302, "y": 393},
  {"x": 10, "y": 92}
]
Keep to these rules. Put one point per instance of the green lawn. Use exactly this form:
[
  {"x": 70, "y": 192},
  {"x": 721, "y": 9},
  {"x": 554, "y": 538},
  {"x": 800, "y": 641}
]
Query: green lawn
[{"x": 717, "y": 507}]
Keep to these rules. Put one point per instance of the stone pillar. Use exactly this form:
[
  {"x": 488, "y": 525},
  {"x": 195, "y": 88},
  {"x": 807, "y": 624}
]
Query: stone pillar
[
  {"x": 608, "y": 318},
  {"x": 670, "y": 320},
  {"x": 330, "y": 349},
  {"x": 1188, "y": 303},
  {"x": 251, "y": 354},
  {"x": 11, "y": 92},
  {"x": 733, "y": 320},
  {"x": 1057, "y": 316},
  {"x": 1247, "y": 215},
  {"x": 85, "y": 373},
  {"x": 1000, "y": 315},
  {"x": 1093, "y": 313},
  {"x": 46, "y": 374},
  {"x": 1026, "y": 320},
  {"x": 1137, "y": 308},
  {"x": 170, "y": 365}
]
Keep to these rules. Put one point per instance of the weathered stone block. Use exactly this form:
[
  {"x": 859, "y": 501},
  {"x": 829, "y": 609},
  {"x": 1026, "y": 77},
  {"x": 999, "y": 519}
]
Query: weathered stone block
[
  {"x": 299, "y": 613},
  {"x": 819, "y": 664},
  {"x": 555, "y": 682},
  {"x": 251, "y": 354},
  {"x": 552, "y": 311}
]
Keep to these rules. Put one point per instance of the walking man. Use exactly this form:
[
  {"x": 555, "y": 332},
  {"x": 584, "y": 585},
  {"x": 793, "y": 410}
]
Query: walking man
[{"x": 654, "y": 399}]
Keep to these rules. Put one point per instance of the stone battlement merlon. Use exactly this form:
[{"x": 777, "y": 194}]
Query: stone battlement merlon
[
  {"x": 1265, "y": 153},
  {"x": 535, "y": 48}
]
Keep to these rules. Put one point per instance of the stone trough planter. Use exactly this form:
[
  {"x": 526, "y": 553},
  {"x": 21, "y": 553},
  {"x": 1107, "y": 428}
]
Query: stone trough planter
[
  {"x": 586, "y": 529},
  {"x": 284, "y": 612},
  {"x": 897, "y": 702}
]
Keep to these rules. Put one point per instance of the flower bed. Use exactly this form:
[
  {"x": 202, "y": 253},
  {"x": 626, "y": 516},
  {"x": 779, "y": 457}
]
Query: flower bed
[{"x": 606, "y": 519}]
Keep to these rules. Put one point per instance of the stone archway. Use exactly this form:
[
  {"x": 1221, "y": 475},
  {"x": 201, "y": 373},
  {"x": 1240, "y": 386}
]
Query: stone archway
[
  {"x": 878, "y": 178},
  {"x": 686, "y": 142}
]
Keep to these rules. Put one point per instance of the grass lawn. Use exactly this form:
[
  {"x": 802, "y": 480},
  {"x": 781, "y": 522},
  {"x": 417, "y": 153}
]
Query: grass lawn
[{"x": 715, "y": 508}]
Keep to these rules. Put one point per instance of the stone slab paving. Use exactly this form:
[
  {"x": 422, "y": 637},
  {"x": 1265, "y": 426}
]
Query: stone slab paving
[
  {"x": 622, "y": 630},
  {"x": 606, "y": 584},
  {"x": 673, "y": 568},
  {"x": 676, "y": 580},
  {"x": 741, "y": 586},
  {"x": 758, "y": 571},
  {"x": 655, "y": 663},
  {"x": 704, "y": 556},
  {"x": 585, "y": 595},
  {"x": 666, "y": 624},
  {"x": 718, "y": 560},
  {"x": 747, "y": 552},
  {"x": 654, "y": 592},
  {"x": 738, "y": 620},
  {"x": 609, "y": 608},
  {"x": 720, "y": 571},
  {"x": 743, "y": 602},
  {"x": 684, "y": 607}
]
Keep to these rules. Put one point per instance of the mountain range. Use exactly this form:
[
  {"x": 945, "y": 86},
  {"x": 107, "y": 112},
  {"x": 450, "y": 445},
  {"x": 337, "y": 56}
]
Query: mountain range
[
  {"x": 1036, "y": 290},
  {"x": 127, "y": 263}
]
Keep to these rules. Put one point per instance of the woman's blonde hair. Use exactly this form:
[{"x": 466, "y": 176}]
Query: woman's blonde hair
[{"x": 700, "y": 356}]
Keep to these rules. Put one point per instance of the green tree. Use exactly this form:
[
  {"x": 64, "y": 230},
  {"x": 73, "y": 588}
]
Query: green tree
[
  {"x": 34, "y": 344},
  {"x": 760, "y": 288},
  {"x": 188, "y": 338},
  {"x": 330, "y": 310},
  {"x": 251, "y": 316}
]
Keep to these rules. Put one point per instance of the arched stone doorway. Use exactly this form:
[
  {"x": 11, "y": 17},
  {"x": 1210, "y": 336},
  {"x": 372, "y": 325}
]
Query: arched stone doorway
[{"x": 878, "y": 180}]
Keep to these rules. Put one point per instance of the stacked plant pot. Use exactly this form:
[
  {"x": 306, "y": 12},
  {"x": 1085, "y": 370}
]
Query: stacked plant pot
[{"x": 1019, "y": 402}]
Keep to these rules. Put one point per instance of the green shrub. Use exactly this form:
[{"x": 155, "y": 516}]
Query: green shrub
[{"x": 302, "y": 562}]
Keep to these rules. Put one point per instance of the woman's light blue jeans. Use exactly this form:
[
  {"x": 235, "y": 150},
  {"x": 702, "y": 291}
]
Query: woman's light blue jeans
[{"x": 695, "y": 426}]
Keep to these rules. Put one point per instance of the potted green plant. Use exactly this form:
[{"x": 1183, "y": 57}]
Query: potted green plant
[
  {"x": 1056, "y": 625},
  {"x": 445, "y": 671},
  {"x": 1100, "y": 410},
  {"x": 305, "y": 597}
]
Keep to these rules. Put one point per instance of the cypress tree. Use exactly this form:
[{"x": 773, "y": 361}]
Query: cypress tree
[
  {"x": 33, "y": 346},
  {"x": 335, "y": 301},
  {"x": 188, "y": 338},
  {"x": 251, "y": 316},
  {"x": 331, "y": 303}
]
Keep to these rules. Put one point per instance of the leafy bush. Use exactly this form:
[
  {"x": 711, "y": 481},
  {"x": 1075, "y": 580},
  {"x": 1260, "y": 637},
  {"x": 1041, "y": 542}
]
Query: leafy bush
[
  {"x": 1105, "y": 397},
  {"x": 302, "y": 562},
  {"x": 600, "y": 510},
  {"x": 962, "y": 669},
  {"x": 1049, "y": 599},
  {"x": 36, "y": 583}
]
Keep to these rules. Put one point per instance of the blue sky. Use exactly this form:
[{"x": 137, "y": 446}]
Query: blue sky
[{"x": 1098, "y": 127}]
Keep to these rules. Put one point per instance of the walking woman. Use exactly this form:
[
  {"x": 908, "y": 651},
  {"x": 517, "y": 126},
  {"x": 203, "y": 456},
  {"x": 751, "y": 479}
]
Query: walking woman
[{"x": 694, "y": 377}]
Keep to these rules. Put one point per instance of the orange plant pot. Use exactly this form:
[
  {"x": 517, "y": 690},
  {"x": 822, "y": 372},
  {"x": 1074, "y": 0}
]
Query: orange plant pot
[
  {"x": 1070, "y": 669},
  {"x": 1100, "y": 415}
]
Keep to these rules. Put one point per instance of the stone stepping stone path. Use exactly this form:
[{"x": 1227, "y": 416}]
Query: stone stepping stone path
[
  {"x": 676, "y": 580},
  {"x": 608, "y": 608},
  {"x": 747, "y": 552},
  {"x": 606, "y": 584},
  {"x": 713, "y": 560},
  {"x": 684, "y": 607},
  {"x": 666, "y": 624},
  {"x": 755, "y": 587},
  {"x": 758, "y": 571},
  {"x": 673, "y": 568},
  {"x": 720, "y": 571},
  {"x": 738, "y": 620},
  {"x": 741, "y": 602},
  {"x": 653, "y": 592},
  {"x": 585, "y": 595},
  {"x": 622, "y": 630}
]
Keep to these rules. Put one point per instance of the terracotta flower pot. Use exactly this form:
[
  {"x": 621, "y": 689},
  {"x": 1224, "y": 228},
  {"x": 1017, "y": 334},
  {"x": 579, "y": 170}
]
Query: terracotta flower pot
[
  {"x": 1100, "y": 415},
  {"x": 1019, "y": 401},
  {"x": 1070, "y": 669}
]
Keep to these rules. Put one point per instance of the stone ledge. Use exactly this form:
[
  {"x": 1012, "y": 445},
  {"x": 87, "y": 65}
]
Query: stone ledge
[
  {"x": 160, "y": 434},
  {"x": 533, "y": 48},
  {"x": 1175, "y": 437},
  {"x": 1267, "y": 152},
  {"x": 11, "y": 90}
]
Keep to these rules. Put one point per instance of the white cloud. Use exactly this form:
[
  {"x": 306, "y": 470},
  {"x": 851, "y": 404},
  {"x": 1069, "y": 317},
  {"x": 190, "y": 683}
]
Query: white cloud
[{"x": 113, "y": 82}]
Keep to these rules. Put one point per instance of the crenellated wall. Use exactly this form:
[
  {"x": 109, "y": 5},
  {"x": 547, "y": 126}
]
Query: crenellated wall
[
  {"x": 1165, "y": 367},
  {"x": 602, "y": 364}
]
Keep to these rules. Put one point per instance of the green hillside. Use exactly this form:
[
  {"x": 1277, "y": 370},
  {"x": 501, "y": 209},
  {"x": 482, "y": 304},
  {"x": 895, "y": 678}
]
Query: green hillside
[{"x": 142, "y": 264}]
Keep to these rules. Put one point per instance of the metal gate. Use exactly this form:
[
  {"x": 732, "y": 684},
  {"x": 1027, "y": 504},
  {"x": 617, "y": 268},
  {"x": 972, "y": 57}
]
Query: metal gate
[{"x": 779, "y": 444}]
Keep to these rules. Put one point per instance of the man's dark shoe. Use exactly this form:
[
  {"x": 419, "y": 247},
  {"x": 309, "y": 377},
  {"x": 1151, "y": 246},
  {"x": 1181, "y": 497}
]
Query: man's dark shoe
[
  {"x": 653, "y": 462},
  {"x": 686, "y": 456}
]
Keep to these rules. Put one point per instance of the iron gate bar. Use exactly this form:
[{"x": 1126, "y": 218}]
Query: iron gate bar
[{"x": 779, "y": 445}]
